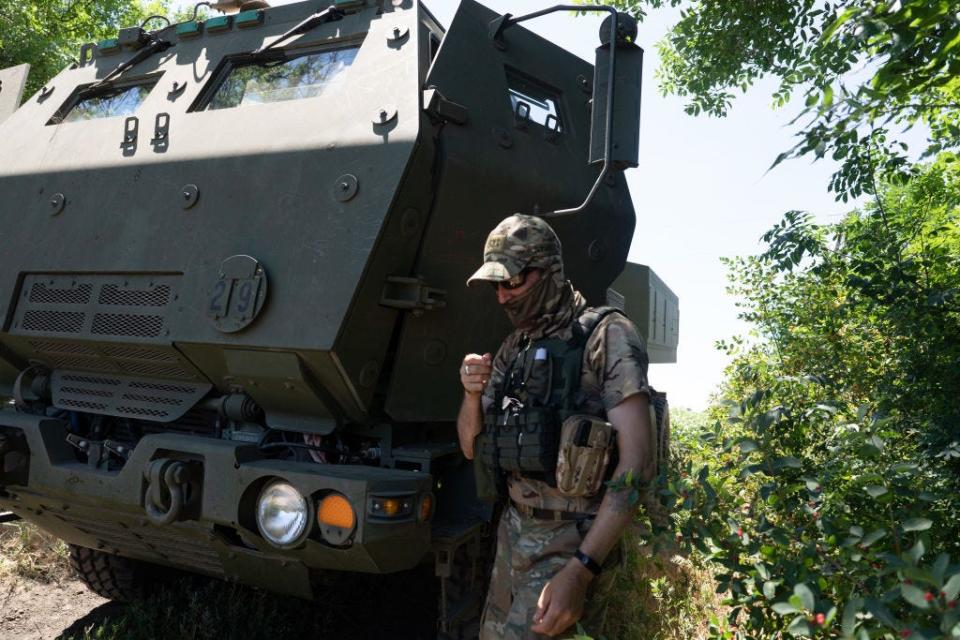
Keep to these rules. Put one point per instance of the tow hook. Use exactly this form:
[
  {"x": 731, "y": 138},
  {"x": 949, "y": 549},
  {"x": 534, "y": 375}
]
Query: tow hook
[{"x": 166, "y": 490}]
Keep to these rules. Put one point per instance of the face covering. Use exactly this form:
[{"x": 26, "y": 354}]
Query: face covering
[{"x": 524, "y": 311}]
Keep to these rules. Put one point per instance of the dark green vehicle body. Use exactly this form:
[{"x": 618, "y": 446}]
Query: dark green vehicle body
[{"x": 218, "y": 286}]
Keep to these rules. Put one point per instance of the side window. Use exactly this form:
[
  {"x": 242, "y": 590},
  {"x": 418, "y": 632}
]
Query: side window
[
  {"x": 242, "y": 81},
  {"x": 105, "y": 102},
  {"x": 533, "y": 101}
]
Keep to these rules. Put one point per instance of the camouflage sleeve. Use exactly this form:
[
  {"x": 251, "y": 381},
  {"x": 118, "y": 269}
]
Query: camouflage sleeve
[{"x": 618, "y": 354}]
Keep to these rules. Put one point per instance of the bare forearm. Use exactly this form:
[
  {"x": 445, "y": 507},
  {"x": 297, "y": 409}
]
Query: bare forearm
[
  {"x": 637, "y": 458},
  {"x": 469, "y": 423},
  {"x": 614, "y": 516}
]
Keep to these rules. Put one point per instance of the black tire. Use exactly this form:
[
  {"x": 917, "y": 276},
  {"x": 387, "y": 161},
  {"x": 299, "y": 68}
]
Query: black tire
[{"x": 113, "y": 577}]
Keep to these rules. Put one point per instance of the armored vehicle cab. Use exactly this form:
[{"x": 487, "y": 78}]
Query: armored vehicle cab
[{"x": 232, "y": 286}]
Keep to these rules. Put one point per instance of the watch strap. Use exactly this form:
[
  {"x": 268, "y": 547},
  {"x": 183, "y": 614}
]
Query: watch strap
[{"x": 592, "y": 565}]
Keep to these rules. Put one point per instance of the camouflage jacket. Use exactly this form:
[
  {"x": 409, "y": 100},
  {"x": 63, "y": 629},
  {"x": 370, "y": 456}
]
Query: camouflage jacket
[{"x": 614, "y": 368}]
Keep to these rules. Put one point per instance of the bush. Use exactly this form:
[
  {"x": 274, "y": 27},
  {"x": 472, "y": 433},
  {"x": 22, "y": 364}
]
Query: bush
[{"x": 826, "y": 488}]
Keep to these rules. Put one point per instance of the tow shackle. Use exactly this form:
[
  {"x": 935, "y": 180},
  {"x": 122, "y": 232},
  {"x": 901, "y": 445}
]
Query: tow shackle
[{"x": 166, "y": 490}]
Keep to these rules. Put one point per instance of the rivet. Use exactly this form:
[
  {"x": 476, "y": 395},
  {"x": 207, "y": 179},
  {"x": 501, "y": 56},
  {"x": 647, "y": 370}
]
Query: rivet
[
  {"x": 384, "y": 114},
  {"x": 345, "y": 187},
  {"x": 57, "y": 202}
]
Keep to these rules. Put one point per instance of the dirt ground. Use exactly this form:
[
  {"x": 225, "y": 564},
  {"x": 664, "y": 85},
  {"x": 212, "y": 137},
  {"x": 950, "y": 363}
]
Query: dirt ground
[{"x": 31, "y": 610}]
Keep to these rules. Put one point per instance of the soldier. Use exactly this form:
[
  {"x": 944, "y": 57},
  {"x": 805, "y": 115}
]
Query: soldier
[{"x": 556, "y": 552}]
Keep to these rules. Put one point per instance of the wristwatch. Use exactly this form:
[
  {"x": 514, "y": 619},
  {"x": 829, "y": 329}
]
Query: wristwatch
[{"x": 588, "y": 562}]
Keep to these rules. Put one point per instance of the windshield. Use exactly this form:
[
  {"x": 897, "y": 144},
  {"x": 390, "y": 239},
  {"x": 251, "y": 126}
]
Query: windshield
[
  {"x": 304, "y": 76},
  {"x": 110, "y": 102}
]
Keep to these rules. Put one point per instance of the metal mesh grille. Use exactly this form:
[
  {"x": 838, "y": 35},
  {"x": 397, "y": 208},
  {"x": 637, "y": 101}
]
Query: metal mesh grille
[
  {"x": 142, "y": 411},
  {"x": 53, "y": 321},
  {"x": 124, "y": 396},
  {"x": 154, "y": 369},
  {"x": 83, "y": 404},
  {"x": 126, "y": 324},
  {"x": 49, "y": 346},
  {"x": 100, "y": 393},
  {"x": 155, "y": 399},
  {"x": 111, "y": 294},
  {"x": 41, "y": 294},
  {"x": 79, "y": 362},
  {"x": 172, "y": 388},
  {"x": 70, "y": 377},
  {"x": 132, "y": 353}
]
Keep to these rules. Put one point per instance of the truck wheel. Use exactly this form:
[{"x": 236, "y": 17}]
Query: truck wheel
[{"x": 113, "y": 577}]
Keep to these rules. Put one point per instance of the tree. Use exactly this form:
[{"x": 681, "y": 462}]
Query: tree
[
  {"x": 48, "y": 34},
  {"x": 828, "y": 489},
  {"x": 866, "y": 69}
]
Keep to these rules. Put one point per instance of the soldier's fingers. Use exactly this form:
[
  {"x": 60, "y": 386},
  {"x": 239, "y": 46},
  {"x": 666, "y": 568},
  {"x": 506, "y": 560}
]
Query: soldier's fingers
[
  {"x": 476, "y": 371},
  {"x": 548, "y": 624}
]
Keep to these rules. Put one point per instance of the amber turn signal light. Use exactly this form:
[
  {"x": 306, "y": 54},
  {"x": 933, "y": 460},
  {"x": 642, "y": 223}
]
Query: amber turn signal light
[
  {"x": 335, "y": 511},
  {"x": 426, "y": 507}
]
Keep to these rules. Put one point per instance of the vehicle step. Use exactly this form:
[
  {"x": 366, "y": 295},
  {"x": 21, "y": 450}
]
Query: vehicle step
[{"x": 8, "y": 516}]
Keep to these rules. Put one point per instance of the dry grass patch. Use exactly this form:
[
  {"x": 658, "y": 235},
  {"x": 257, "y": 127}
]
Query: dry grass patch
[
  {"x": 662, "y": 596},
  {"x": 27, "y": 552}
]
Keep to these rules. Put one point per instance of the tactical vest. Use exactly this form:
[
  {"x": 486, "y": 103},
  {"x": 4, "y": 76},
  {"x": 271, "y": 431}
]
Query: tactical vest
[{"x": 540, "y": 388}]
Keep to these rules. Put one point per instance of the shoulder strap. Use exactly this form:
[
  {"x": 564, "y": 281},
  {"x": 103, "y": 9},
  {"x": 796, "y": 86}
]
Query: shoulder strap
[{"x": 589, "y": 320}]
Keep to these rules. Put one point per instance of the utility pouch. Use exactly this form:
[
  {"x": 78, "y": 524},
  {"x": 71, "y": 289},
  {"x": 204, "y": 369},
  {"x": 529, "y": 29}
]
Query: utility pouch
[
  {"x": 486, "y": 481},
  {"x": 485, "y": 471},
  {"x": 537, "y": 441},
  {"x": 586, "y": 446}
]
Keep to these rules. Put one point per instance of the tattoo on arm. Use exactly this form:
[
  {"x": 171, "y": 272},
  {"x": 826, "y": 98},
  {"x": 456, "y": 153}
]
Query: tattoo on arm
[{"x": 620, "y": 502}]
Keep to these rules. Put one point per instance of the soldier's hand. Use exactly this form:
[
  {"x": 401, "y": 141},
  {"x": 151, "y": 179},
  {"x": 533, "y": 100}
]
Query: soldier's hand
[
  {"x": 561, "y": 601},
  {"x": 475, "y": 372}
]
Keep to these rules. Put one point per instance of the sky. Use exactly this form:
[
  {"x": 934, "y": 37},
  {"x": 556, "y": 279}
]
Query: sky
[{"x": 702, "y": 191}]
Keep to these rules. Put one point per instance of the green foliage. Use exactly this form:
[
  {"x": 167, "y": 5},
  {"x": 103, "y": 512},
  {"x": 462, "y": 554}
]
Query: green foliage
[
  {"x": 48, "y": 34},
  {"x": 659, "y": 596},
  {"x": 827, "y": 488},
  {"x": 866, "y": 69}
]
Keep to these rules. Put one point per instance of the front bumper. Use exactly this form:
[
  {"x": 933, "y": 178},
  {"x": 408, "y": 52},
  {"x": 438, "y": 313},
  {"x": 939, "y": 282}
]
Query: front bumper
[{"x": 216, "y": 535}]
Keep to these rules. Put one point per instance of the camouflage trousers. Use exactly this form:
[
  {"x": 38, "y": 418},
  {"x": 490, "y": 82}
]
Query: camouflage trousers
[{"x": 529, "y": 553}]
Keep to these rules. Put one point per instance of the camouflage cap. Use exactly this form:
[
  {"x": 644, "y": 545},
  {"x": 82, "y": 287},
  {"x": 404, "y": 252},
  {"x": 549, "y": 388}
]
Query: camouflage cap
[{"x": 518, "y": 242}]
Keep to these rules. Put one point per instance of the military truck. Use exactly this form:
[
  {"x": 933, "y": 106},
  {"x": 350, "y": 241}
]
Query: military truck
[{"x": 232, "y": 281}]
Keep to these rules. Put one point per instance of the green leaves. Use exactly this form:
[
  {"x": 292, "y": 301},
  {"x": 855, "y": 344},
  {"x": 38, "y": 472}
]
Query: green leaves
[
  {"x": 952, "y": 588},
  {"x": 868, "y": 70},
  {"x": 917, "y": 524},
  {"x": 827, "y": 479},
  {"x": 874, "y": 490},
  {"x": 915, "y": 596},
  {"x": 48, "y": 35},
  {"x": 803, "y": 593}
]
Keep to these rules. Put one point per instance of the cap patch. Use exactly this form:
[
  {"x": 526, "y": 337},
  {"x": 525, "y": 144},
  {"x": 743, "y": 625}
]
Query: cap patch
[{"x": 495, "y": 244}]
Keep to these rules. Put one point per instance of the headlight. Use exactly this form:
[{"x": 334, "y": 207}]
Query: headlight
[{"x": 282, "y": 513}]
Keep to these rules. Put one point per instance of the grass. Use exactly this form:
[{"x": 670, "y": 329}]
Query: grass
[
  {"x": 26, "y": 552},
  {"x": 662, "y": 596},
  {"x": 655, "y": 597}
]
